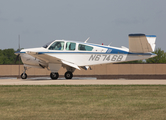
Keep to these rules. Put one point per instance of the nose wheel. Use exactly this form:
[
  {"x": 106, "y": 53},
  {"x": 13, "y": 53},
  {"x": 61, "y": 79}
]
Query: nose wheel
[
  {"x": 68, "y": 75},
  {"x": 24, "y": 76},
  {"x": 54, "y": 76}
]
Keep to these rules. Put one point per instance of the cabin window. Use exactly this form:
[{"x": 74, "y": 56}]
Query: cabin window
[
  {"x": 85, "y": 47},
  {"x": 58, "y": 45},
  {"x": 70, "y": 46}
]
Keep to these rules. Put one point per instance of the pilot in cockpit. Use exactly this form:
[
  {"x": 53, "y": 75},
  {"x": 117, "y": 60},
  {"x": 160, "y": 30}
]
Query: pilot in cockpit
[
  {"x": 58, "y": 46},
  {"x": 82, "y": 47}
]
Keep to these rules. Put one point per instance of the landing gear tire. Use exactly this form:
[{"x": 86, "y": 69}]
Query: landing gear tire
[
  {"x": 54, "y": 76},
  {"x": 68, "y": 75},
  {"x": 24, "y": 76}
]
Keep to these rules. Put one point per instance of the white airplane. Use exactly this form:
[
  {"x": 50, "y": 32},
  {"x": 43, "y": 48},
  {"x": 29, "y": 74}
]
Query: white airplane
[{"x": 75, "y": 55}]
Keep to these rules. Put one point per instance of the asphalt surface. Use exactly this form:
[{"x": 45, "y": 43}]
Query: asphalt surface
[{"x": 80, "y": 81}]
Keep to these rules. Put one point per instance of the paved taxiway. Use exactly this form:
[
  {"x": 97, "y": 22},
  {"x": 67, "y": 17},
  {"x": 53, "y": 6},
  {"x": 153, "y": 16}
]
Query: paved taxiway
[{"x": 80, "y": 81}]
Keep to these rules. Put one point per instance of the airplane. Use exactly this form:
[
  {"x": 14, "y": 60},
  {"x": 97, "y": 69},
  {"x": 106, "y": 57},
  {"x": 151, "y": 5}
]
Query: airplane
[{"x": 74, "y": 55}]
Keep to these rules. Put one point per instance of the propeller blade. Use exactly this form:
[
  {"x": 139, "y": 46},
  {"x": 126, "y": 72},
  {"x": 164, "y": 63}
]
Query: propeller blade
[{"x": 17, "y": 58}]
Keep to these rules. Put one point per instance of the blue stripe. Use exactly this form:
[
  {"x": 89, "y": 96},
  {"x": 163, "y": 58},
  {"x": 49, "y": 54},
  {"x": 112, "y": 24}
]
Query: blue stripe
[
  {"x": 113, "y": 52},
  {"x": 140, "y": 34},
  {"x": 150, "y": 35},
  {"x": 19, "y": 52},
  {"x": 95, "y": 53}
]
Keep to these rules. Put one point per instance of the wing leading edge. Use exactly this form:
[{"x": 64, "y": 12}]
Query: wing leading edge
[{"x": 50, "y": 59}]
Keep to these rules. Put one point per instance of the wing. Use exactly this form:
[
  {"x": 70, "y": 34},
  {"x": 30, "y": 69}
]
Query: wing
[
  {"x": 138, "y": 43},
  {"x": 50, "y": 59}
]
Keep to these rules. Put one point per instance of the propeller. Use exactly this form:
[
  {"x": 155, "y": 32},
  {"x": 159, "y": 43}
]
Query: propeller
[
  {"x": 17, "y": 58},
  {"x": 18, "y": 52}
]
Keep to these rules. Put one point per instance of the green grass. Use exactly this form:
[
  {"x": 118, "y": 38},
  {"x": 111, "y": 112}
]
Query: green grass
[{"x": 83, "y": 102}]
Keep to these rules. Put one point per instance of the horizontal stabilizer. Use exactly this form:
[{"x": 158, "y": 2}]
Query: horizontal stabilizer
[{"x": 140, "y": 43}]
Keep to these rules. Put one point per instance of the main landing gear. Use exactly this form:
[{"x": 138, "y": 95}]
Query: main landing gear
[
  {"x": 68, "y": 75},
  {"x": 55, "y": 75}
]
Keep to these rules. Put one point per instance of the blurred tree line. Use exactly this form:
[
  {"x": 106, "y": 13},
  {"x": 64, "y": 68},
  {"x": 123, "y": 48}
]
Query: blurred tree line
[
  {"x": 7, "y": 56},
  {"x": 160, "y": 58}
]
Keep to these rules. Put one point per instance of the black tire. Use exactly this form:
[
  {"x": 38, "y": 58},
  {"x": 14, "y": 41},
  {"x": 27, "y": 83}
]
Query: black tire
[
  {"x": 24, "y": 76},
  {"x": 54, "y": 76},
  {"x": 68, "y": 75}
]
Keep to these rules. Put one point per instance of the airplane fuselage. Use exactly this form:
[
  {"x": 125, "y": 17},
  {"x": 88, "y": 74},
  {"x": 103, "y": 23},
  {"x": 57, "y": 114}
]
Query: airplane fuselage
[
  {"x": 75, "y": 55},
  {"x": 100, "y": 54}
]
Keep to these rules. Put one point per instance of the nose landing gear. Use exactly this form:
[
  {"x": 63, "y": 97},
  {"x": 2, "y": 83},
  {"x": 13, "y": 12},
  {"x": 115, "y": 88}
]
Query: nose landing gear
[{"x": 24, "y": 75}]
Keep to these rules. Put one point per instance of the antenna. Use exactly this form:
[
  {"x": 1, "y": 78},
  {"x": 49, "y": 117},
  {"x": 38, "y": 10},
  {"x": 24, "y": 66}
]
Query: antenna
[
  {"x": 86, "y": 40},
  {"x": 110, "y": 44},
  {"x": 19, "y": 42},
  {"x": 19, "y": 51}
]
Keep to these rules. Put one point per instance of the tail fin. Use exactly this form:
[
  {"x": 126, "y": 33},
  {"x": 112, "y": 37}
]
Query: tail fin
[{"x": 141, "y": 43}]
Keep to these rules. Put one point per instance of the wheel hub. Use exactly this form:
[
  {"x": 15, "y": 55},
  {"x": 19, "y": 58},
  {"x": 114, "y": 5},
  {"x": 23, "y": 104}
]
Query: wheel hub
[
  {"x": 54, "y": 76},
  {"x": 68, "y": 75}
]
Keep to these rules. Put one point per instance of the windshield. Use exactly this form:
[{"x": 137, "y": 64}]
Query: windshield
[
  {"x": 58, "y": 45},
  {"x": 46, "y": 45}
]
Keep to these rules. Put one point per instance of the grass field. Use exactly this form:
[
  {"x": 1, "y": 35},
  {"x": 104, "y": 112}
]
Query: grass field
[{"x": 83, "y": 102}]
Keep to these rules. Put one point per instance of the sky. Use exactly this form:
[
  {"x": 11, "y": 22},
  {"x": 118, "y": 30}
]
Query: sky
[{"x": 104, "y": 21}]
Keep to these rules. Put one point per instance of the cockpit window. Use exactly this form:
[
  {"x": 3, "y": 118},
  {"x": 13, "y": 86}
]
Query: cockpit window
[
  {"x": 46, "y": 45},
  {"x": 70, "y": 46},
  {"x": 85, "y": 47},
  {"x": 58, "y": 45}
]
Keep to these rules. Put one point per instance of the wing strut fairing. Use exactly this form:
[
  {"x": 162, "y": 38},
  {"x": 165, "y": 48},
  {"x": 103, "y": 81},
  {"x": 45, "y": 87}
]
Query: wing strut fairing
[{"x": 70, "y": 64}]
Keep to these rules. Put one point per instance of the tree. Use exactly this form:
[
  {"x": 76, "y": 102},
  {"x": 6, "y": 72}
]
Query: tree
[
  {"x": 160, "y": 58},
  {"x": 7, "y": 56},
  {"x": 1, "y": 57}
]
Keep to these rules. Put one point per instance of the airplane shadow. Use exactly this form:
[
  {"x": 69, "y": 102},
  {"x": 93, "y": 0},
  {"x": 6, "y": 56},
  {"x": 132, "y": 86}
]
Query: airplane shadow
[{"x": 47, "y": 78}]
